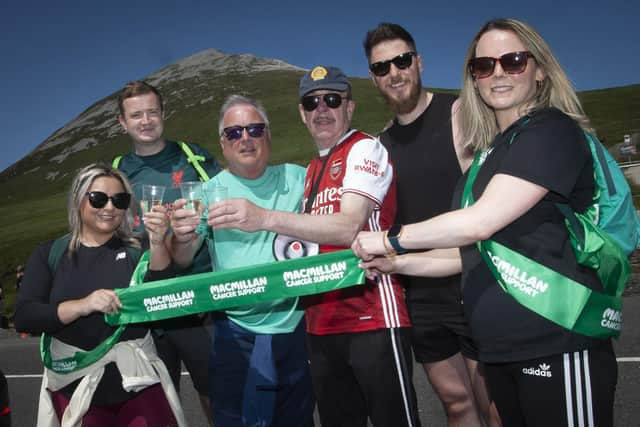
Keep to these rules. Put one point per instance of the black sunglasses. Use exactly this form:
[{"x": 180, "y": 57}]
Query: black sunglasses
[
  {"x": 311, "y": 102},
  {"x": 98, "y": 199},
  {"x": 511, "y": 63},
  {"x": 255, "y": 130},
  {"x": 401, "y": 62}
]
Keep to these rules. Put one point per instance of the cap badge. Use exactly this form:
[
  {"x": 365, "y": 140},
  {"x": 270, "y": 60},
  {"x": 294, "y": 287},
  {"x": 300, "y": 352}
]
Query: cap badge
[{"x": 318, "y": 73}]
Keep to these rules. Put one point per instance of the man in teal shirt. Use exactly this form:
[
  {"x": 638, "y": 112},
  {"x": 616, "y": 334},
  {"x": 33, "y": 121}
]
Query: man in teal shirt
[
  {"x": 155, "y": 160},
  {"x": 259, "y": 369}
]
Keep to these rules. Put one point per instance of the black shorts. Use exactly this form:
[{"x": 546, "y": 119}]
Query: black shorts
[
  {"x": 440, "y": 331},
  {"x": 186, "y": 341},
  {"x": 364, "y": 374},
  {"x": 568, "y": 389}
]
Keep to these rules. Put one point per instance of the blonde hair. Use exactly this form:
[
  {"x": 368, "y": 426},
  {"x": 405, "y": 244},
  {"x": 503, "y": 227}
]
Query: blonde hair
[
  {"x": 80, "y": 186},
  {"x": 478, "y": 120}
]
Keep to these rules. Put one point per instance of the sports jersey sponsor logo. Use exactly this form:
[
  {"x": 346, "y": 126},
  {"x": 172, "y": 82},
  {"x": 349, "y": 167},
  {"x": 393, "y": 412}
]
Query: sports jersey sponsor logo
[
  {"x": 167, "y": 301},
  {"x": 369, "y": 166},
  {"x": 611, "y": 319},
  {"x": 319, "y": 274},
  {"x": 335, "y": 169},
  {"x": 177, "y": 178},
  {"x": 543, "y": 370},
  {"x": 521, "y": 280},
  {"x": 238, "y": 288},
  {"x": 121, "y": 255},
  {"x": 325, "y": 201}
]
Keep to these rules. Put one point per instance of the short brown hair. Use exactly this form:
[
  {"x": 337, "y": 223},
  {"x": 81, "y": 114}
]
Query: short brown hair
[
  {"x": 137, "y": 88},
  {"x": 386, "y": 31}
]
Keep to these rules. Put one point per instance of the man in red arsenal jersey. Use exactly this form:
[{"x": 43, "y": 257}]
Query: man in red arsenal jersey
[{"x": 359, "y": 340}]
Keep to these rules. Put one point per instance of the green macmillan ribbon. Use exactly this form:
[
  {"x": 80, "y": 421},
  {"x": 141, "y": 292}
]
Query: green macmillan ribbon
[
  {"x": 198, "y": 293},
  {"x": 553, "y": 295},
  {"x": 164, "y": 299}
]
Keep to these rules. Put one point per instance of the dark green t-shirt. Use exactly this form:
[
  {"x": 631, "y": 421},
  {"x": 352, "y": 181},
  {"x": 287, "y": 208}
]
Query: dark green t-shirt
[{"x": 169, "y": 168}]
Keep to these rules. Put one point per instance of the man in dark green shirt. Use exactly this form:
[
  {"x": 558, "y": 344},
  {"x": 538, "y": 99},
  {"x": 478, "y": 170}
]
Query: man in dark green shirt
[{"x": 157, "y": 161}]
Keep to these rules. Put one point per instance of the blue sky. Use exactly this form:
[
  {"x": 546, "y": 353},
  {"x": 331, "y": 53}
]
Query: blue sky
[{"x": 59, "y": 57}]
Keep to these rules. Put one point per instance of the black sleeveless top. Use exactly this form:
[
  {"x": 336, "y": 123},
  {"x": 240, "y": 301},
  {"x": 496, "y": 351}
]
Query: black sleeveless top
[{"x": 427, "y": 170}]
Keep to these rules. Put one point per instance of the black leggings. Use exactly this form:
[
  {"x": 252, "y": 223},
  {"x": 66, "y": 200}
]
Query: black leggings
[{"x": 568, "y": 389}]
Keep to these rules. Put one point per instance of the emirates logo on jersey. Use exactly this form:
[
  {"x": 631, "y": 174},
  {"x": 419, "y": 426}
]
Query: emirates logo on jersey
[
  {"x": 335, "y": 169},
  {"x": 177, "y": 178}
]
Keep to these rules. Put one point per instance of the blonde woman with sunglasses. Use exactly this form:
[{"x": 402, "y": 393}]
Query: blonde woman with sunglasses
[{"x": 66, "y": 300}]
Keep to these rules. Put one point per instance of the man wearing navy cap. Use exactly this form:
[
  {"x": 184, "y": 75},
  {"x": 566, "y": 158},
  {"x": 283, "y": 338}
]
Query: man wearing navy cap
[{"x": 358, "y": 337}]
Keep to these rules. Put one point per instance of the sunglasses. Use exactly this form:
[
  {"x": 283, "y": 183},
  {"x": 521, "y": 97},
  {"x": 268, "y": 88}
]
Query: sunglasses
[
  {"x": 401, "y": 62},
  {"x": 255, "y": 130},
  {"x": 98, "y": 199},
  {"x": 311, "y": 102},
  {"x": 511, "y": 63}
]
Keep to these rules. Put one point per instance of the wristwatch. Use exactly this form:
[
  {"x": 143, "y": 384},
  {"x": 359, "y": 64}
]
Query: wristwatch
[{"x": 393, "y": 234}]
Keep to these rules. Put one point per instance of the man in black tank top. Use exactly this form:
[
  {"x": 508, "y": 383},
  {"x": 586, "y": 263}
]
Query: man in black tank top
[{"x": 428, "y": 161}]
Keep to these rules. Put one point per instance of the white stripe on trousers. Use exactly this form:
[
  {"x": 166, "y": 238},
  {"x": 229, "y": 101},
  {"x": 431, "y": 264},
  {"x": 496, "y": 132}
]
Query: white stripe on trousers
[
  {"x": 575, "y": 375},
  {"x": 401, "y": 377},
  {"x": 392, "y": 320}
]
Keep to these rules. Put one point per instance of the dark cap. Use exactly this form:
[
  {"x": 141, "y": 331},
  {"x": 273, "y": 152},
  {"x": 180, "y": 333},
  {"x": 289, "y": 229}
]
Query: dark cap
[{"x": 323, "y": 78}]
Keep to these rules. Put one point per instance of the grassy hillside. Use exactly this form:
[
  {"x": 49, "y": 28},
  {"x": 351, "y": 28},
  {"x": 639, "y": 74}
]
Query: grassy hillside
[{"x": 614, "y": 112}]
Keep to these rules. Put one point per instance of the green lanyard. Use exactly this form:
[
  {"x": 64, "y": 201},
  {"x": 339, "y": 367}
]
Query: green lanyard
[{"x": 545, "y": 291}]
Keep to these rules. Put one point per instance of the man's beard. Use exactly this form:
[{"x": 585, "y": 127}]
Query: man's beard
[{"x": 408, "y": 104}]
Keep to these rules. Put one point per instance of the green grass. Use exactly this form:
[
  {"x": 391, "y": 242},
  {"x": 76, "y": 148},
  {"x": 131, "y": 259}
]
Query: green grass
[{"x": 26, "y": 224}]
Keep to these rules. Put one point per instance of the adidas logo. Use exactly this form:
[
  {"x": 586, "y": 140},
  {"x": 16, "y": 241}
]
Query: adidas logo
[
  {"x": 543, "y": 371},
  {"x": 121, "y": 255}
]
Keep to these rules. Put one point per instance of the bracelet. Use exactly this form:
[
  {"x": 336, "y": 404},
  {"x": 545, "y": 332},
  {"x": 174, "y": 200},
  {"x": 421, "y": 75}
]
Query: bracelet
[{"x": 389, "y": 250}]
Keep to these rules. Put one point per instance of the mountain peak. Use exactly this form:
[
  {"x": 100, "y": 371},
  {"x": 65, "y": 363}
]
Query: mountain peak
[{"x": 101, "y": 117}]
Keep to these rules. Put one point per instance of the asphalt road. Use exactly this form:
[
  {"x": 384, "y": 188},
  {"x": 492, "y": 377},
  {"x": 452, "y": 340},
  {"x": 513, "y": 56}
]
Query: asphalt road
[{"x": 19, "y": 359}]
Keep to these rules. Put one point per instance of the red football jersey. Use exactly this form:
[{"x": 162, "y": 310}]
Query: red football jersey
[{"x": 358, "y": 164}]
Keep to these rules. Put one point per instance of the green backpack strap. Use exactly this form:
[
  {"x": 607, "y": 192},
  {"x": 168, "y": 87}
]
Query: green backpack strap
[
  {"x": 57, "y": 251},
  {"x": 116, "y": 162},
  {"x": 195, "y": 161}
]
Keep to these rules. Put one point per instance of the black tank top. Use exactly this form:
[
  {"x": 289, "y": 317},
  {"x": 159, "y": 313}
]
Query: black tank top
[{"x": 427, "y": 170}]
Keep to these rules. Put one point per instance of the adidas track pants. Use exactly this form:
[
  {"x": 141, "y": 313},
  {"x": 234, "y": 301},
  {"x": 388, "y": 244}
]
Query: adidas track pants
[{"x": 569, "y": 389}]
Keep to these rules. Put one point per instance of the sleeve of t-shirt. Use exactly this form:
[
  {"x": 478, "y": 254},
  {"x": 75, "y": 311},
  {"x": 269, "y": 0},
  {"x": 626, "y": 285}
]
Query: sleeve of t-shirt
[
  {"x": 34, "y": 313},
  {"x": 551, "y": 153},
  {"x": 210, "y": 164},
  {"x": 368, "y": 171}
]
